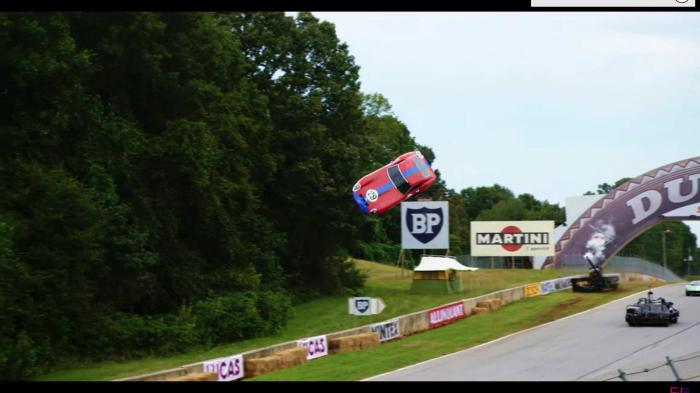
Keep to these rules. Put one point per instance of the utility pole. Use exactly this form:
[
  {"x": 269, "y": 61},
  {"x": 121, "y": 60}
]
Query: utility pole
[
  {"x": 690, "y": 259},
  {"x": 663, "y": 247}
]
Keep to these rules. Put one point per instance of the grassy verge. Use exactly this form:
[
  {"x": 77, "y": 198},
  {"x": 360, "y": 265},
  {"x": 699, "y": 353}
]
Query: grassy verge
[
  {"x": 452, "y": 338},
  {"x": 321, "y": 316}
]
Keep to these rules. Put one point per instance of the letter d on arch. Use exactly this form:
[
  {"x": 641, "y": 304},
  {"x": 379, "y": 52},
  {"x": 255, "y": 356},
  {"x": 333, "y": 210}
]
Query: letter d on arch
[{"x": 637, "y": 204}]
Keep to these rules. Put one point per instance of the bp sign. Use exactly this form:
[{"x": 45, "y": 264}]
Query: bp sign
[
  {"x": 365, "y": 305},
  {"x": 425, "y": 225}
]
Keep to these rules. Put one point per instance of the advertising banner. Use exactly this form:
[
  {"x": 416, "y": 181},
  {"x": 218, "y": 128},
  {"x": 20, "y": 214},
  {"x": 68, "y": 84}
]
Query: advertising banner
[
  {"x": 562, "y": 283},
  {"x": 365, "y": 305},
  {"x": 425, "y": 225},
  {"x": 533, "y": 290},
  {"x": 446, "y": 314},
  {"x": 228, "y": 368},
  {"x": 548, "y": 286},
  {"x": 315, "y": 346},
  {"x": 512, "y": 238},
  {"x": 387, "y": 330}
]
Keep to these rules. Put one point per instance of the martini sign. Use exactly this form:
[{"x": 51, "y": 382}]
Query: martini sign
[{"x": 512, "y": 238}]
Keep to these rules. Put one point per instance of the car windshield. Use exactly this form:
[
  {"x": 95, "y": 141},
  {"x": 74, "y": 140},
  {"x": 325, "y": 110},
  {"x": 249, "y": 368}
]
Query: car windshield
[
  {"x": 397, "y": 178},
  {"x": 694, "y": 283}
]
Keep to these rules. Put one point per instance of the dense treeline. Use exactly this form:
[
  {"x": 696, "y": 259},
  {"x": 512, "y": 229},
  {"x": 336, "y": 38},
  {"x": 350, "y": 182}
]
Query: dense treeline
[{"x": 172, "y": 179}]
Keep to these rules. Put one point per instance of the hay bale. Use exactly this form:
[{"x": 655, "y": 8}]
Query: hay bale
[
  {"x": 491, "y": 304},
  {"x": 479, "y": 310},
  {"x": 292, "y": 357},
  {"x": 195, "y": 377},
  {"x": 353, "y": 343},
  {"x": 276, "y": 361}
]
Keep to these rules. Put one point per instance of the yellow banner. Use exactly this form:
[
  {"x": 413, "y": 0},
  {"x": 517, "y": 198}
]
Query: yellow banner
[{"x": 533, "y": 290}]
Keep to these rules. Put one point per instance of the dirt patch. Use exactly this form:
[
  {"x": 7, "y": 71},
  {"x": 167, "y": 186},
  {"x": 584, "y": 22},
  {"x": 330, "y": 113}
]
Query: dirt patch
[
  {"x": 418, "y": 344},
  {"x": 559, "y": 310}
]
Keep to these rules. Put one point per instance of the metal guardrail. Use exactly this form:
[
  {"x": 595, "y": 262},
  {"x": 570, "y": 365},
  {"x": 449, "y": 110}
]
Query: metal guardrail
[
  {"x": 619, "y": 264},
  {"x": 615, "y": 264}
]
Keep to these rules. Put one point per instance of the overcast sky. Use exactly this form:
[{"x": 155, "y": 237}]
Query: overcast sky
[{"x": 550, "y": 104}]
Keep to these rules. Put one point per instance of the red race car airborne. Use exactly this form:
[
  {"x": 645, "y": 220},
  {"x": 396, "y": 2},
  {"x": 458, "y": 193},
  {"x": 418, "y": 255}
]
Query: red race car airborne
[{"x": 407, "y": 175}]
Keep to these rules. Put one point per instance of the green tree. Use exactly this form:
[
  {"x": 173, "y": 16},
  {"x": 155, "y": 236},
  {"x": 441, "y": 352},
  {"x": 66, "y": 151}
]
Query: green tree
[
  {"x": 477, "y": 199},
  {"x": 315, "y": 107}
]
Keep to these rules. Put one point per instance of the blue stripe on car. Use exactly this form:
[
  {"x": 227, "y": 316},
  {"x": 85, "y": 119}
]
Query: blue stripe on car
[
  {"x": 410, "y": 171},
  {"x": 386, "y": 187}
]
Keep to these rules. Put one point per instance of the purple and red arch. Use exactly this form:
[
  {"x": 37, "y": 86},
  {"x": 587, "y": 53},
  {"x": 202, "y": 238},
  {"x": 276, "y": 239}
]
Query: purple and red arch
[{"x": 631, "y": 209}]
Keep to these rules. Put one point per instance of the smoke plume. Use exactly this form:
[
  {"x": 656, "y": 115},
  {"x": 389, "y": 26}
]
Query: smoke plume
[{"x": 603, "y": 234}]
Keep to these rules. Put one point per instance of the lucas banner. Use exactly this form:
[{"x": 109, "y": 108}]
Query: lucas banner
[
  {"x": 315, "y": 346},
  {"x": 425, "y": 225},
  {"x": 512, "y": 238},
  {"x": 228, "y": 368}
]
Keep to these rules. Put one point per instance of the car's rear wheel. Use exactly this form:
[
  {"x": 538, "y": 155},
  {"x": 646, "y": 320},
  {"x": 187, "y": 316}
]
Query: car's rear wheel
[{"x": 687, "y": 293}]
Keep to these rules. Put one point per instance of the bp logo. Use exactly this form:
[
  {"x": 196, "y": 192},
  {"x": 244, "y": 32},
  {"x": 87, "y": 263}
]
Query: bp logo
[
  {"x": 362, "y": 305},
  {"x": 424, "y": 224}
]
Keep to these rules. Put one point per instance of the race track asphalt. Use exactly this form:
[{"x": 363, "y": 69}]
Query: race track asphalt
[{"x": 590, "y": 346}]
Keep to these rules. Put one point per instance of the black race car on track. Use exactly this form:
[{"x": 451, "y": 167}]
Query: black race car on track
[{"x": 650, "y": 311}]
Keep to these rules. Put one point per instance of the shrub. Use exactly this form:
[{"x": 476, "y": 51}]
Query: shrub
[
  {"x": 275, "y": 308},
  {"x": 229, "y": 317},
  {"x": 19, "y": 357}
]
